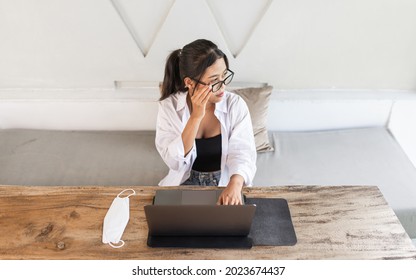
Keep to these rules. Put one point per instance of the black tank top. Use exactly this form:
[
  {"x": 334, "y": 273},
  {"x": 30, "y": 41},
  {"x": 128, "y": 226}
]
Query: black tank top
[{"x": 208, "y": 154}]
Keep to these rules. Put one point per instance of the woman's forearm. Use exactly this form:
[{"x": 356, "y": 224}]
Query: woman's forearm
[{"x": 189, "y": 133}]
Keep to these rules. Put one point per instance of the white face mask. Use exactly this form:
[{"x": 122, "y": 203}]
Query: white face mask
[{"x": 116, "y": 220}]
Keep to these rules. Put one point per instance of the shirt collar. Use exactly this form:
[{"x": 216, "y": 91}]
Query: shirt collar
[
  {"x": 181, "y": 96},
  {"x": 222, "y": 105}
]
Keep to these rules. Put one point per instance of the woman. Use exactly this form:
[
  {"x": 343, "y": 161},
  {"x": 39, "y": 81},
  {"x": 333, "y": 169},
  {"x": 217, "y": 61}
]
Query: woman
[{"x": 204, "y": 133}]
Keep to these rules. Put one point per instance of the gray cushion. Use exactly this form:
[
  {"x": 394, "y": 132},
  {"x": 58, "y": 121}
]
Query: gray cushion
[
  {"x": 40, "y": 157},
  {"x": 344, "y": 157},
  {"x": 257, "y": 100}
]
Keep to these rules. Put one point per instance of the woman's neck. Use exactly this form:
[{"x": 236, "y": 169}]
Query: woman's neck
[{"x": 210, "y": 106}]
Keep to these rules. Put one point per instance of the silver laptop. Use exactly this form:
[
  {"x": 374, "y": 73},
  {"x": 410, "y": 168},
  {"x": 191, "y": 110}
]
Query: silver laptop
[{"x": 195, "y": 213}]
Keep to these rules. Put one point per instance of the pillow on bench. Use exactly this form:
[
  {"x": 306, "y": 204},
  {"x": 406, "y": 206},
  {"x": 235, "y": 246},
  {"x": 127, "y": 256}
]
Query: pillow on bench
[{"x": 257, "y": 100}]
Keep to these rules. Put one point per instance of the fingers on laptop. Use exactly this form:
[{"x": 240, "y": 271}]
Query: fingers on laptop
[{"x": 226, "y": 199}]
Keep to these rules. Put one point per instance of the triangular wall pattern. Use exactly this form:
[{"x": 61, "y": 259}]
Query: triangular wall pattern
[
  {"x": 135, "y": 16},
  {"x": 237, "y": 25}
]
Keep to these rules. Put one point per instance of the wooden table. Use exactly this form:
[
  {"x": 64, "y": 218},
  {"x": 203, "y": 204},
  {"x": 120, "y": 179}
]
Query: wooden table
[{"x": 66, "y": 223}]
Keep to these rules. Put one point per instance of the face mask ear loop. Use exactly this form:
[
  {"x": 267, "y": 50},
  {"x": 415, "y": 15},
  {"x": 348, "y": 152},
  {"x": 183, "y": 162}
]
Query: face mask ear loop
[
  {"x": 117, "y": 246},
  {"x": 133, "y": 192}
]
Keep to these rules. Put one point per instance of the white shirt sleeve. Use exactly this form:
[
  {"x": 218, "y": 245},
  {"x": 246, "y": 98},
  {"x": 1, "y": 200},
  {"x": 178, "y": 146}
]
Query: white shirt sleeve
[
  {"x": 168, "y": 140},
  {"x": 242, "y": 152}
]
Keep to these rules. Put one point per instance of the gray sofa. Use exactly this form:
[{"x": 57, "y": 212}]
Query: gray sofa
[{"x": 367, "y": 156}]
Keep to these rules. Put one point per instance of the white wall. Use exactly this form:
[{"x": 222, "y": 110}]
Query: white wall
[
  {"x": 137, "y": 109},
  {"x": 403, "y": 126},
  {"x": 297, "y": 44}
]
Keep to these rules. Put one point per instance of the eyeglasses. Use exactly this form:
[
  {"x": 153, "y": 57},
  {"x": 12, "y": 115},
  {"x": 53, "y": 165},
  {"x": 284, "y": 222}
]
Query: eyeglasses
[{"x": 218, "y": 85}]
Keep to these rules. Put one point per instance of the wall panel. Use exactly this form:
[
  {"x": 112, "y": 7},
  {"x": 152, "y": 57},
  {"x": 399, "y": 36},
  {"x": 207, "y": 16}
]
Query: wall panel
[{"x": 299, "y": 44}]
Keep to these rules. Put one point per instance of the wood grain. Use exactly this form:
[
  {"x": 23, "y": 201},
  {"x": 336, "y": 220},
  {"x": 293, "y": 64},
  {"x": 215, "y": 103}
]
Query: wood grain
[{"x": 348, "y": 222}]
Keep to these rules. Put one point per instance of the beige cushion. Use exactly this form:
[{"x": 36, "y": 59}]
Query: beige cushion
[{"x": 257, "y": 100}]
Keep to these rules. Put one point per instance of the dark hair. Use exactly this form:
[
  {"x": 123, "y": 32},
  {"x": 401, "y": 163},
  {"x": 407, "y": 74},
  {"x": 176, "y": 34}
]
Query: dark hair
[{"x": 190, "y": 61}]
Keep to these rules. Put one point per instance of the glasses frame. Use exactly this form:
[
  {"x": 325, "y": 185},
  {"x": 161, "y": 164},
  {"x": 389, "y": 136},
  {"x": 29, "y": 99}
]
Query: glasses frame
[{"x": 219, "y": 82}]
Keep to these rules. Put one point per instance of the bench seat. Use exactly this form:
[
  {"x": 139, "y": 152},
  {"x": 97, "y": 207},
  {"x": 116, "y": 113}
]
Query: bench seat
[{"x": 369, "y": 156}]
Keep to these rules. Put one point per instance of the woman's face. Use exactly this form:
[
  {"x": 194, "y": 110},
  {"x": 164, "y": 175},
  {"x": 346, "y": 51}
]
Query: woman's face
[{"x": 215, "y": 73}]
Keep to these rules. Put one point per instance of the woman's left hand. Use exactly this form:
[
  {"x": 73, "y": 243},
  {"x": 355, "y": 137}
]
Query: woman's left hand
[{"x": 231, "y": 195}]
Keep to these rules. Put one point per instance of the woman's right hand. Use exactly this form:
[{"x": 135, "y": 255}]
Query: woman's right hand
[{"x": 199, "y": 100}]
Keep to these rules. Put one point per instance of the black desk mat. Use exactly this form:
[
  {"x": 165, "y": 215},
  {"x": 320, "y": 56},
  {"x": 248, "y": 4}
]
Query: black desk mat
[{"x": 272, "y": 226}]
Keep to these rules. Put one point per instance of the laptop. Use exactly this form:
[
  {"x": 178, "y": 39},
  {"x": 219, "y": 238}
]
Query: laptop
[{"x": 195, "y": 213}]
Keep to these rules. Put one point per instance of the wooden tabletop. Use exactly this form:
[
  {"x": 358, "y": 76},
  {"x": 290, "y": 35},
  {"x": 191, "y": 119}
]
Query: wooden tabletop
[{"x": 66, "y": 223}]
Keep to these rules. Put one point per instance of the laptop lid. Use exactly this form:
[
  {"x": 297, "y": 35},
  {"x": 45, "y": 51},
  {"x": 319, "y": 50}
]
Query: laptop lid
[
  {"x": 187, "y": 197},
  {"x": 181, "y": 217}
]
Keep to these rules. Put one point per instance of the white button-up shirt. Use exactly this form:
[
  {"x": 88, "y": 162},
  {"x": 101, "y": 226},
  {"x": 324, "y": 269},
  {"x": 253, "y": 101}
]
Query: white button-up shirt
[{"x": 238, "y": 146}]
